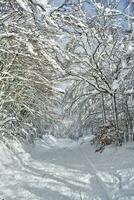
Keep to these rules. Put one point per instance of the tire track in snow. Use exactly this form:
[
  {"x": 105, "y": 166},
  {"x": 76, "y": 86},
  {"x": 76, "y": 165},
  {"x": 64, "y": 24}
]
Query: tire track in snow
[{"x": 93, "y": 170}]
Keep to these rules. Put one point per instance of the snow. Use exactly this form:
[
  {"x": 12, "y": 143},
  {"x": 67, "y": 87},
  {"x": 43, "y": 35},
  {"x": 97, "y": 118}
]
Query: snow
[
  {"x": 62, "y": 169},
  {"x": 30, "y": 48},
  {"x": 99, "y": 6},
  {"x": 129, "y": 91},
  {"x": 115, "y": 84},
  {"x": 130, "y": 48},
  {"x": 43, "y": 3},
  {"x": 24, "y": 4},
  {"x": 60, "y": 90}
]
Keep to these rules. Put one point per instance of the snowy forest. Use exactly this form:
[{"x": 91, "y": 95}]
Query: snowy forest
[{"x": 67, "y": 82}]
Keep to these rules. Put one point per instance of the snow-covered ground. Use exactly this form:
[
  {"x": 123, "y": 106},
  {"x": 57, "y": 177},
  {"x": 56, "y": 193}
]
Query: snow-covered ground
[{"x": 66, "y": 170}]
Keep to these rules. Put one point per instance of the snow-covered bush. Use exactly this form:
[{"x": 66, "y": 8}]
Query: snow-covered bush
[{"x": 107, "y": 134}]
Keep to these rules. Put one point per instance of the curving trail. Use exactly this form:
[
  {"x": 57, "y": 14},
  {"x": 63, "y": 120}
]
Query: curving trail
[{"x": 65, "y": 170}]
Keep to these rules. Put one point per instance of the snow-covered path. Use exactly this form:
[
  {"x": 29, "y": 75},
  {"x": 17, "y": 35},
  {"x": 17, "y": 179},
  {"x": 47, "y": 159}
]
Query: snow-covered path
[{"x": 66, "y": 170}]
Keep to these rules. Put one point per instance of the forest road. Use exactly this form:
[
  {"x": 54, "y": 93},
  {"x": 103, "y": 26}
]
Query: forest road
[
  {"x": 66, "y": 174},
  {"x": 65, "y": 170}
]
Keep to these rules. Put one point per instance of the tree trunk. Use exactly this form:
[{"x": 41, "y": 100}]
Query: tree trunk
[
  {"x": 129, "y": 119},
  {"x": 115, "y": 112},
  {"x": 103, "y": 109}
]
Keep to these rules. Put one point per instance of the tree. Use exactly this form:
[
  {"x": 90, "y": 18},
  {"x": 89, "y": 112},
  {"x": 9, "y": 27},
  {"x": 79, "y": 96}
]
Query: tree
[
  {"x": 27, "y": 66},
  {"x": 96, "y": 58}
]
